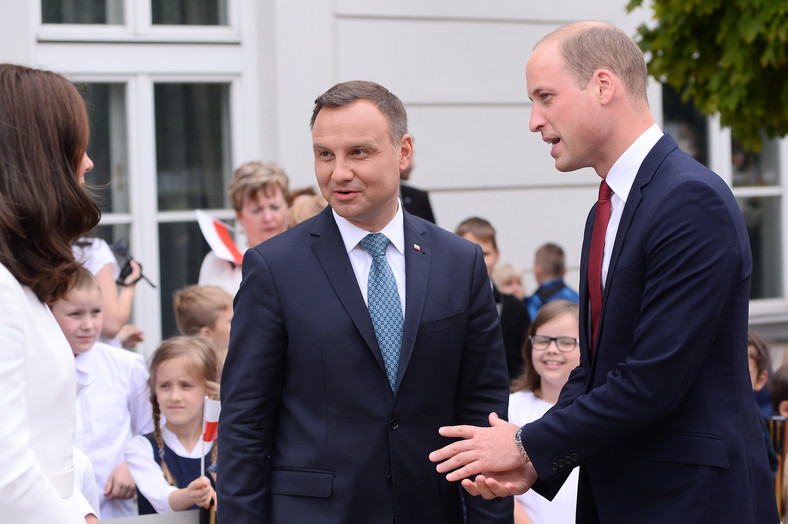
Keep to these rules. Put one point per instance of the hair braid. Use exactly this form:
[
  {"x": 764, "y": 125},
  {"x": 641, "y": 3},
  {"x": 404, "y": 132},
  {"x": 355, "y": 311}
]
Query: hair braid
[{"x": 160, "y": 441}]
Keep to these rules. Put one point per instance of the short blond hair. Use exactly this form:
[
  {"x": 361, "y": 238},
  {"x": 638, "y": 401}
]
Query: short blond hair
[
  {"x": 251, "y": 177},
  {"x": 197, "y": 307},
  {"x": 589, "y": 46}
]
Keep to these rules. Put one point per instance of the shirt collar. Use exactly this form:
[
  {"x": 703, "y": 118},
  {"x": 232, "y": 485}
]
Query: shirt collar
[
  {"x": 352, "y": 234},
  {"x": 622, "y": 175}
]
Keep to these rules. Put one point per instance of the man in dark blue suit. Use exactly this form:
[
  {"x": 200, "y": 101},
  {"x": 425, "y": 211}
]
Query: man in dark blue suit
[
  {"x": 317, "y": 425},
  {"x": 660, "y": 415}
]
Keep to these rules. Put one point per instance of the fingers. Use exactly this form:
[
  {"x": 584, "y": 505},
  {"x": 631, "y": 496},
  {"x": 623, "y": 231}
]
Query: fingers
[
  {"x": 480, "y": 486},
  {"x": 108, "y": 489},
  {"x": 495, "y": 420}
]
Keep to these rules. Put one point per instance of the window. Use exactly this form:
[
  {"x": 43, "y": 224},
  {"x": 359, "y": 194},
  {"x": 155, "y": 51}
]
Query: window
[
  {"x": 82, "y": 11},
  {"x": 189, "y": 12},
  {"x": 193, "y": 166},
  {"x": 756, "y": 183},
  {"x": 107, "y": 148}
]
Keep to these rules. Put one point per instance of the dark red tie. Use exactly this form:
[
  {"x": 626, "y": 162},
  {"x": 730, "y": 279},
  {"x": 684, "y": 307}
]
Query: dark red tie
[{"x": 595, "y": 256}]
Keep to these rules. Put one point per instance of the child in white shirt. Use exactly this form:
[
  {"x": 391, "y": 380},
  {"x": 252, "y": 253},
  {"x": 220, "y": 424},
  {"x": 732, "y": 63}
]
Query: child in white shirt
[{"x": 114, "y": 405}]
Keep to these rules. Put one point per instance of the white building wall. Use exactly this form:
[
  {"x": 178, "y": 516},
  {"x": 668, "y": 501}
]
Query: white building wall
[{"x": 459, "y": 67}]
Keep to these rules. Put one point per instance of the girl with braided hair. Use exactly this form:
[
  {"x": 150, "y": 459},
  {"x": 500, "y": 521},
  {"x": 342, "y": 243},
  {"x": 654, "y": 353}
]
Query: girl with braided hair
[{"x": 165, "y": 464}]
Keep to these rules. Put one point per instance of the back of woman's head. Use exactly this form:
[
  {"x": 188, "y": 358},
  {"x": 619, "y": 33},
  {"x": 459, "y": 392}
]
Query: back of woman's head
[{"x": 43, "y": 206}]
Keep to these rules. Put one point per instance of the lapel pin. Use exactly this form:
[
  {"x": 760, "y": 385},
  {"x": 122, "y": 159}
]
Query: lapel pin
[{"x": 416, "y": 247}]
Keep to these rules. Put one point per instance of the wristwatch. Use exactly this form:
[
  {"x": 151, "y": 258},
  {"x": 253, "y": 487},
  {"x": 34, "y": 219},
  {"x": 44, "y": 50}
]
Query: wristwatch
[{"x": 518, "y": 439}]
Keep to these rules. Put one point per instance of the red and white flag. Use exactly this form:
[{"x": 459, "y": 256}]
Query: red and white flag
[
  {"x": 217, "y": 234},
  {"x": 211, "y": 419}
]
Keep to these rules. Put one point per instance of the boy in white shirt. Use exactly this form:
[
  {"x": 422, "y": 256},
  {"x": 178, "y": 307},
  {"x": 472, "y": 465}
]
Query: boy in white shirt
[{"x": 115, "y": 404}]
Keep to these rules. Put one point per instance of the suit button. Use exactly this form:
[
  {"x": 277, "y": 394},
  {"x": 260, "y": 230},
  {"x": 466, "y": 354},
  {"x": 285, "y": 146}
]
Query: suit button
[
  {"x": 561, "y": 463},
  {"x": 575, "y": 457},
  {"x": 388, "y": 477},
  {"x": 394, "y": 423},
  {"x": 568, "y": 460},
  {"x": 554, "y": 466}
]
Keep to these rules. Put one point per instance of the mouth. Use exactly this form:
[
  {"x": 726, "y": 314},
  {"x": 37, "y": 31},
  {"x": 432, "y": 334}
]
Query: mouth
[
  {"x": 553, "y": 363},
  {"x": 344, "y": 194},
  {"x": 553, "y": 142}
]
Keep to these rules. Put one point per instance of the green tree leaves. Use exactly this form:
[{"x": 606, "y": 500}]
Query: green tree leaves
[{"x": 729, "y": 56}]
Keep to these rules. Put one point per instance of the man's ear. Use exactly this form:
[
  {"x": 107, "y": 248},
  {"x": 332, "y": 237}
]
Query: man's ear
[
  {"x": 205, "y": 331},
  {"x": 605, "y": 84},
  {"x": 405, "y": 150}
]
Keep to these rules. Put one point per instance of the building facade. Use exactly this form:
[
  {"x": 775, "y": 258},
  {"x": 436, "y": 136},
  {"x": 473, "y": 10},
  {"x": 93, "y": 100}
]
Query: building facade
[{"x": 182, "y": 91}]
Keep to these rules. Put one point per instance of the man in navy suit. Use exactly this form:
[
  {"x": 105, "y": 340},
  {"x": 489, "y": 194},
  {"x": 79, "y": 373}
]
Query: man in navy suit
[
  {"x": 316, "y": 425},
  {"x": 660, "y": 415}
]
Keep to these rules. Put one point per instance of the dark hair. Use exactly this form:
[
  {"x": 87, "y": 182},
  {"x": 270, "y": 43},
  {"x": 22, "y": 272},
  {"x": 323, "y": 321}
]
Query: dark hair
[
  {"x": 43, "y": 206},
  {"x": 478, "y": 227},
  {"x": 778, "y": 388},
  {"x": 347, "y": 93},
  {"x": 530, "y": 380},
  {"x": 763, "y": 360}
]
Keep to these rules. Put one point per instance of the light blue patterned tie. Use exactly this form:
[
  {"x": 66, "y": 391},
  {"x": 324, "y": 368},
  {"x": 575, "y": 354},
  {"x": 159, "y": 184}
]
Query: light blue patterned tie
[{"x": 384, "y": 305}]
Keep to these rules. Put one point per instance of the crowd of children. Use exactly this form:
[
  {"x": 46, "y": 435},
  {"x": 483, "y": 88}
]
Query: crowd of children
[{"x": 140, "y": 427}]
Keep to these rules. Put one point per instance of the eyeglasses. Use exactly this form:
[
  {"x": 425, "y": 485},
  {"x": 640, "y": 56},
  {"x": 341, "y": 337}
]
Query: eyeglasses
[{"x": 564, "y": 344}]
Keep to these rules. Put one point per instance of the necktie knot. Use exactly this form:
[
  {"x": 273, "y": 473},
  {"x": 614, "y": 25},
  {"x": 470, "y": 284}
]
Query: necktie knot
[
  {"x": 375, "y": 244},
  {"x": 604, "y": 191}
]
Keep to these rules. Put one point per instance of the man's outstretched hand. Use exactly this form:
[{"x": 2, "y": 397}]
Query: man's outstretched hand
[{"x": 491, "y": 453}]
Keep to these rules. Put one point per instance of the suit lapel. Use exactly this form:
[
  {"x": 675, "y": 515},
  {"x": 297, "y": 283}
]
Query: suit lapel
[
  {"x": 644, "y": 175},
  {"x": 418, "y": 253},
  {"x": 330, "y": 252}
]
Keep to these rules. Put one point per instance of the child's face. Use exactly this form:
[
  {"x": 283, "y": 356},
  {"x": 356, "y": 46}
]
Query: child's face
[
  {"x": 219, "y": 334},
  {"x": 80, "y": 318},
  {"x": 180, "y": 394},
  {"x": 513, "y": 286},
  {"x": 758, "y": 378},
  {"x": 491, "y": 254},
  {"x": 552, "y": 365}
]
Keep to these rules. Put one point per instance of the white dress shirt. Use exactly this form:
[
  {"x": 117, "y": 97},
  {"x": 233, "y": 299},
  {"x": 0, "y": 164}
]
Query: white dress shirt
[
  {"x": 112, "y": 408},
  {"x": 620, "y": 179},
  {"x": 361, "y": 260}
]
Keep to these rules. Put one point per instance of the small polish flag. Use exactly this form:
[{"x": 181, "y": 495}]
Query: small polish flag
[
  {"x": 218, "y": 236},
  {"x": 211, "y": 419},
  {"x": 416, "y": 247}
]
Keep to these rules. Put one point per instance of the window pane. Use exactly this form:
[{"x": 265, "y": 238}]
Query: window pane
[
  {"x": 82, "y": 11},
  {"x": 755, "y": 169},
  {"x": 107, "y": 148},
  {"x": 189, "y": 12},
  {"x": 192, "y": 145},
  {"x": 762, "y": 217},
  {"x": 181, "y": 248},
  {"x": 685, "y": 124}
]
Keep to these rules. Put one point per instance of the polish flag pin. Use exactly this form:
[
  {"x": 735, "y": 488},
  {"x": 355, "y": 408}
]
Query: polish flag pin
[{"x": 416, "y": 247}]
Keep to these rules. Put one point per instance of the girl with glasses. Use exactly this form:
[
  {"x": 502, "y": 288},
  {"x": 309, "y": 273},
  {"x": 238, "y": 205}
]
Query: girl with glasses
[{"x": 550, "y": 353}]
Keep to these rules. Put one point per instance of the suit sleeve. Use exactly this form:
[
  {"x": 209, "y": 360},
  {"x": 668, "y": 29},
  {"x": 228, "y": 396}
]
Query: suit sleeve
[
  {"x": 484, "y": 382},
  {"x": 251, "y": 392},
  {"x": 692, "y": 266}
]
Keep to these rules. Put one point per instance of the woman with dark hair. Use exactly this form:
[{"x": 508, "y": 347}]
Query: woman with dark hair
[{"x": 43, "y": 210}]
